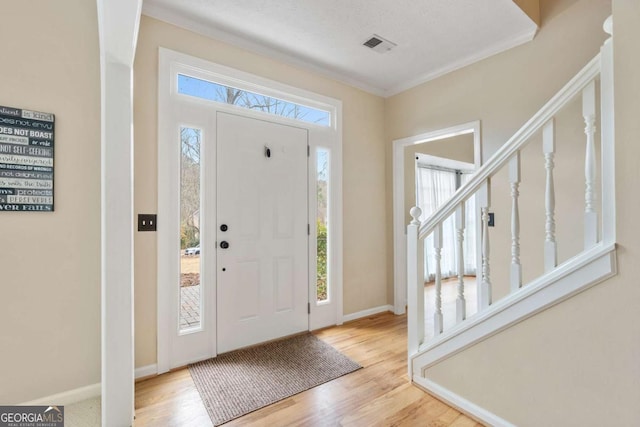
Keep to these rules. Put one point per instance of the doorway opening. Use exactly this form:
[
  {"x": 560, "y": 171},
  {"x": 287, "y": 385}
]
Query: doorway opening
[{"x": 460, "y": 143}]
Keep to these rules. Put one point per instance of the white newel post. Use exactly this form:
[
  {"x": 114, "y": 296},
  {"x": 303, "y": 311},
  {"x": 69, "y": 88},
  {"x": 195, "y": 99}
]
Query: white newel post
[
  {"x": 549, "y": 149},
  {"x": 460, "y": 300},
  {"x": 514, "y": 179},
  {"x": 607, "y": 129},
  {"x": 437, "y": 255},
  {"x": 415, "y": 286},
  {"x": 590, "y": 214},
  {"x": 484, "y": 296}
]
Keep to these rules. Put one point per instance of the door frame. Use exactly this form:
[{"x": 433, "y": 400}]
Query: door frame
[
  {"x": 330, "y": 137},
  {"x": 399, "y": 226}
]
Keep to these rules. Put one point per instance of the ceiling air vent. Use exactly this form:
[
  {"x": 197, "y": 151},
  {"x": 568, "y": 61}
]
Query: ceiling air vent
[{"x": 379, "y": 44}]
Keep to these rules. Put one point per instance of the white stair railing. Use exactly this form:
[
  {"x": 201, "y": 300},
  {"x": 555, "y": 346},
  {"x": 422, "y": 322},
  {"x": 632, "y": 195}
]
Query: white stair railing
[{"x": 479, "y": 186}]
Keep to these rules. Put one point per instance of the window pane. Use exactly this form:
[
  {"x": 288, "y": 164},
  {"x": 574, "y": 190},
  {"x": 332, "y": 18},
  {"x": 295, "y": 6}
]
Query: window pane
[
  {"x": 322, "y": 222},
  {"x": 190, "y": 289},
  {"x": 250, "y": 100}
]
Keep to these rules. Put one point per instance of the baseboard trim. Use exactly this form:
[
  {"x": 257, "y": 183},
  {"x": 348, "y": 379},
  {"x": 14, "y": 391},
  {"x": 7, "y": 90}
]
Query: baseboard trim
[
  {"x": 146, "y": 371},
  {"x": 465, "y": 406},
  {"x": 68, "y": 397},
  {"x": 88, "y": 392},
  {"x": 367, "y": 312}
]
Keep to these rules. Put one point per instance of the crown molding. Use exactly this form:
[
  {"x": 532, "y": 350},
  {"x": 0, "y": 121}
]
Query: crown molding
[{"x": 468, "y": 60}]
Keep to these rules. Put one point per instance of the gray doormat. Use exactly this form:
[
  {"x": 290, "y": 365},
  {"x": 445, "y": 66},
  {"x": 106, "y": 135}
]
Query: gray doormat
[{"x": 239, "y": 382}]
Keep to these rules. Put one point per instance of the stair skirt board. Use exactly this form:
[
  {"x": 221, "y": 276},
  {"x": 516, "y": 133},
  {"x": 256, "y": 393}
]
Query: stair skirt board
[
  {"x": 588, "y": 269},
  {"x": 463, "y": 405},
  {"x": 68, "y": 397}
]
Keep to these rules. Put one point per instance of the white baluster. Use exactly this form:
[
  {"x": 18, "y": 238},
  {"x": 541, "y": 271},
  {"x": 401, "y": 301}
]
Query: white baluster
[
  {"x": 590, "y": 214},
  {"x": 549, "y": 149},
  {"x": 437, "y": 255},
  {"x": 484, "y": 296},
  {"x": 415, "y": 285},
  {"x": 514, "y": 179},
  {"x": 460, "y": 300}
]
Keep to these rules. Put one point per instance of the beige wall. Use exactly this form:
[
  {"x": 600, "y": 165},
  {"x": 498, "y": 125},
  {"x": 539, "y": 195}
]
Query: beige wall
[
  {"x": 456, "y": 148},
  {"x": 575, "y": 364},
  {"x": 50, "y": 263},
  {"x": 503, "y": 92},
  {"x": 365, "y": 254}
]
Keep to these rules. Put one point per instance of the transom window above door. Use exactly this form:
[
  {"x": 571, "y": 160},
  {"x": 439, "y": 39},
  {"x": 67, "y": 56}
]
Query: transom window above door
[{"x": 224, "y": 94}]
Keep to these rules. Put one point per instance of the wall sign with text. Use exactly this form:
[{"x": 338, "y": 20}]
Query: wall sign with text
[{"x": 26, "y": 160}]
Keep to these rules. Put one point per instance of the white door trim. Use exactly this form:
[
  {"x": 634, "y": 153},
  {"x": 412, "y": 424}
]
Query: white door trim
[
  {"x": 399, "y": 229},
  {"x": 170, "y": 63}
]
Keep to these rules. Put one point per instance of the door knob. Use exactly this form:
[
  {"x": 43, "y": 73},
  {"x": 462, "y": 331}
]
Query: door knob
[{"x": 224, "y": 244}]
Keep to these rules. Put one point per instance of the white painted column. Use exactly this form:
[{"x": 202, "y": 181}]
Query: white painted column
[
  {"x": 514, "y": 179},
  {"x": 117, "y": 248},
  {"x": 460, "y": 300},
  {"x": 437, "y": 255},
  {"x": 549, "y": 149},
  {"x": 484, "y": 295},
  {"x": 590, "y": 214},
  {"x": 415, "y": 286},
  {"x": 118, "y": 22}
]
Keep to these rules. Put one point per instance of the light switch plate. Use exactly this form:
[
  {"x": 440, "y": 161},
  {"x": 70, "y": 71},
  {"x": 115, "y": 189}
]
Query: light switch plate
[{"x": 147, "y": 222}]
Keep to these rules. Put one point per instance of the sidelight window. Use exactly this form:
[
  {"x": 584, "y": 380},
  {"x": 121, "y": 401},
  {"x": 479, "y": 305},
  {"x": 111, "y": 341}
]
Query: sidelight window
[
  {"x": 190, "y": 271},
  {"x": 322, "y": 224}
]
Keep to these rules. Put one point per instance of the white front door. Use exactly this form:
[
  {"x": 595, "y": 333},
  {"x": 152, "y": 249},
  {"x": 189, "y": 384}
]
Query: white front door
[{"x": 262, "y": 231}]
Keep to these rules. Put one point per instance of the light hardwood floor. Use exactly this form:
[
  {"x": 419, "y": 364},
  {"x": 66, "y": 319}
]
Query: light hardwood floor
[{"x": 378, "y": 395}]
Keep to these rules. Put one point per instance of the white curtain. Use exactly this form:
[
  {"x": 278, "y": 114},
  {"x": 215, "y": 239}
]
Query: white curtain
[{"x": 434, "y": 187}]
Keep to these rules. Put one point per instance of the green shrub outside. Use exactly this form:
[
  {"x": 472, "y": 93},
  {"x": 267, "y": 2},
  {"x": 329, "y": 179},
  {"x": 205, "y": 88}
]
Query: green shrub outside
[{"x": 321, "y": 281}]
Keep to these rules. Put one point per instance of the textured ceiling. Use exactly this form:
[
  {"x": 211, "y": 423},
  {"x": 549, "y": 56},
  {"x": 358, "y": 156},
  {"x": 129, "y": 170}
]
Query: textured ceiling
[{"x": 433, "y": 37}]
